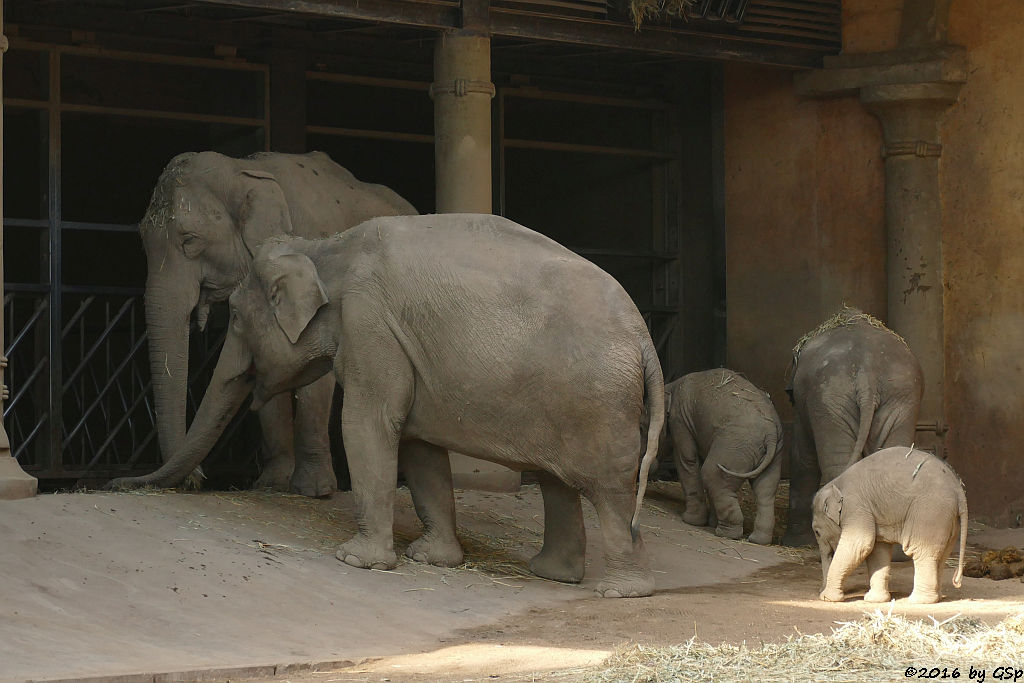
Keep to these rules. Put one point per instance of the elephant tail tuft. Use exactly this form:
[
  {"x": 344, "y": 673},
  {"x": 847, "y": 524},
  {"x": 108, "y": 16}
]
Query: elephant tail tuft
[
  {"x": 959, "y": 576},
  {"x": 654, "y": 404}
]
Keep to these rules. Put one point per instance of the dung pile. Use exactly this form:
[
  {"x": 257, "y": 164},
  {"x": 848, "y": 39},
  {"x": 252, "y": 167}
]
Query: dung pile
[{"x": 996, "y": 564}]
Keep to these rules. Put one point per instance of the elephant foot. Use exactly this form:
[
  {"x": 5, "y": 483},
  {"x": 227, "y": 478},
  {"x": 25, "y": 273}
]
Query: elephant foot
[
  {"x": 558, "y": 567},
  {"x": 315, "y": 481},
  {"x": 760, "y": 537},
  {"x": 125, "y": 484},
  {"x": 437, "y": 552},
  {"x": 735, "y": 532},
  {"x": 273, "y": 478},
  {"x": 696, "y": 516},
  {"x": 638, "y": 584},
  {"x": 796, "y": 539},
  {"x": 877, "y": 596},
  {"x": 363, "y": 553},
  {"x": 832, "y": 595},
  {"x": 923, "y": 597}
]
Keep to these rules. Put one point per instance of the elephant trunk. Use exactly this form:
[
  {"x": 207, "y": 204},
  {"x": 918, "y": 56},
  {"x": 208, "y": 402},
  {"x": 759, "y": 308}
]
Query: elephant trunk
[
  {"x": 169, "y": 304},
  {"x": 826, "y": 561},
  {"x": 227, "y": 391}
]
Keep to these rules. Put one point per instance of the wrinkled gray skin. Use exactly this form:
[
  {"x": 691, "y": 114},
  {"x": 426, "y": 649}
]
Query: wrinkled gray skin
[
  {"x": 897, "y": 495},
  {"x": 464, "y": 332},
  {"x": 723, "y": 431},
  {"x": 856, "y": 389},
  {"x": 208, "y": 214}
]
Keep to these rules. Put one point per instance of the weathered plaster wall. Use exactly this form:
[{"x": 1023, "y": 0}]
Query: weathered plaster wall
[
  {"x": 983, "y": 253},
  {"x": 804, "y": 218},
  {"x": 805, "y": 231}
]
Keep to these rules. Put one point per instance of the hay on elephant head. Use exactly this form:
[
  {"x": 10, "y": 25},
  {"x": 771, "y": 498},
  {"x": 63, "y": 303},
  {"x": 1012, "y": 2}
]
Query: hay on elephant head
[
  {"x": 877, "y": 647},
  {"x": 847, "y": 315}
]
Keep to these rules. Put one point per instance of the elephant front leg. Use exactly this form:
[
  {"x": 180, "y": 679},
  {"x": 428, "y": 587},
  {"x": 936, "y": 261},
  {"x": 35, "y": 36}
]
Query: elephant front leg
[
  {"x": 565, "y": 539},
  {"x": 429, "y": 475},
  {"x": 853, "y": 547},
  {"x": 879, "y": 565},
  {"x": 765, "y": 487},
  {"x": 276, "y": 429},
  {"x": 314, "y": 470}
]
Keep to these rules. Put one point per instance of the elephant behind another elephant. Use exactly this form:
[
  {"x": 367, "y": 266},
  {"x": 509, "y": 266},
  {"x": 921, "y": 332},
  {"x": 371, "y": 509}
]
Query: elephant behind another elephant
[
  {"x": 720, "y": 419},
  {"x": 856, "y": 389}
]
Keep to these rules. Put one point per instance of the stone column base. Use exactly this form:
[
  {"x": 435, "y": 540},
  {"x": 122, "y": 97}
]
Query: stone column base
[
  {"x": 482, "y": 475},
  {"x": 14, "y": 483}
]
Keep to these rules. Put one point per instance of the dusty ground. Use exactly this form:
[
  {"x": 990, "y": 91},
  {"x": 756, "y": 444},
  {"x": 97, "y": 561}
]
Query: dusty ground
[{"x": 120, "y": 584}]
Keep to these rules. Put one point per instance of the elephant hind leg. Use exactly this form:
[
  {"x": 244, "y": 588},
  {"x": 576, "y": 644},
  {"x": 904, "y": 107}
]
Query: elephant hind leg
[
  {"x": 626, "y": 572},
  {"x": 685, "y": 454},
  {"x": 565, "y": 541},
  {"x": 927, "y": 573},
  {"x": 765, "y": 488},
  {"x": 804, "y": 476},
  {"x": 429, "y": 476},
  {"x": 723, "y": 490}
]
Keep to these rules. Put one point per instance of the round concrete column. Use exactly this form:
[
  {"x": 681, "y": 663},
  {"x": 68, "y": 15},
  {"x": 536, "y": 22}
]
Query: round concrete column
[
  {"x": 462, "y": 93},
  {"x": 14, "y": 483},
  {"x": 913, "y": 214}
]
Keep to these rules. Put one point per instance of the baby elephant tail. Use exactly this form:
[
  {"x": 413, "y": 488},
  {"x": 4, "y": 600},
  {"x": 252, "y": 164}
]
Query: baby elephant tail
[
  {"x": 654, "y": 404},
  {"x": 772, "y": 446},
  {"x": 959, "y": 576}
]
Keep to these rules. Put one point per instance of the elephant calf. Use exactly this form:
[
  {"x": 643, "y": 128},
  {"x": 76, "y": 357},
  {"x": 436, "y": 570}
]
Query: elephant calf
[
  {"x": 856, "y": 389},
  {"x": 897, "y": 495},
  {"x": 721, "y": 419}
]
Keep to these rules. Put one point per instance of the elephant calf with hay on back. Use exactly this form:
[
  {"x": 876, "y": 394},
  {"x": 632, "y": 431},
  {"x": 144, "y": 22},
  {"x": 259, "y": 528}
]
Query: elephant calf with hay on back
[
  {"x": 207, "y": 216},
  {"x": 720, "y": 419},
  {"x": 856, "y": 388},
  {"x": 897, "y": 495}
]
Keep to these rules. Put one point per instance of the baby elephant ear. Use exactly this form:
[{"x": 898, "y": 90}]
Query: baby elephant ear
[
  {"x": 833, "y": 507},
  {"x": 293, "y": 288}
]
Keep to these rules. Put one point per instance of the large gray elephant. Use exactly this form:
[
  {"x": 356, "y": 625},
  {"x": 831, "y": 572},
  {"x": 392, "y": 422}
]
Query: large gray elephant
[
  {"x": 208, "y": 214},
  {"x": 723, "y": 431},
  {"x": 897, "y": 495},
  {"x": 458, "y": 331},
  {"x": 856, "y": 388}
]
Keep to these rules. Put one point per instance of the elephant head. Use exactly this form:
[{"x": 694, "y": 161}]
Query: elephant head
[
  {"x": 205, "y": 218},
  {"x": 827, "y": 514},
  {"x": 272, "y": 345}
]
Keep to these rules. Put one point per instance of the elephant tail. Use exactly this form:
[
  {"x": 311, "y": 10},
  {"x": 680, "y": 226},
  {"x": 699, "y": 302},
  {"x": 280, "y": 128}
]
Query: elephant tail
[
  {"x": 866, "y": 404},
  {"x": 959, "y": 576},
  {"x": 772, "y": 446},
  {"x": 654, "y": 404}
]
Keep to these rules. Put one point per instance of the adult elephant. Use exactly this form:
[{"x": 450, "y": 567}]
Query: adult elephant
[
  {"x": 856, "y": 388},
  {"x": 206, "y": 218}
]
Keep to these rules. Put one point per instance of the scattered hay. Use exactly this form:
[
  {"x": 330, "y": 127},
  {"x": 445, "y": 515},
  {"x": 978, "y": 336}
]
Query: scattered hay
[
  {"x": 877, "y": 647},
  {"x": 642, "y": 10},
  {"x": 847, "y": 315}
]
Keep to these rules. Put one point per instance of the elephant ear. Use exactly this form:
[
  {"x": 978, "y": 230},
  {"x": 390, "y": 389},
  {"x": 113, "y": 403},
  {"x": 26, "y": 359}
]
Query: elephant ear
[
  {"x": 293, "y": 288},
  {"x": 833, "y": 505},
  {"x": 262, "y": 209}
]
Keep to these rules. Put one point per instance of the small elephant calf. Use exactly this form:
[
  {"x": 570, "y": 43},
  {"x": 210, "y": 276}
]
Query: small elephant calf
[
  {"x": 896, "y": 495},
  {"x": 720, "y": 418}
]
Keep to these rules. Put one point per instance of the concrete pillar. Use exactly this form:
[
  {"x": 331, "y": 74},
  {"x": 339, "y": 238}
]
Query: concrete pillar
[
  {"x": 462, "y": 93},
  {"x": 910, "y": 115},
  {"x": 14, "y": 483}
]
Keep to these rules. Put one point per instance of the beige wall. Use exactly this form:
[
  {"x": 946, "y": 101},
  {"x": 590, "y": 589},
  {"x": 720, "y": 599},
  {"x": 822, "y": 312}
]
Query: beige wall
[
  {"x": 804, "y": 218},
  {"x": 983, "y": 255},
  {"x": 805, "y": 230}
]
